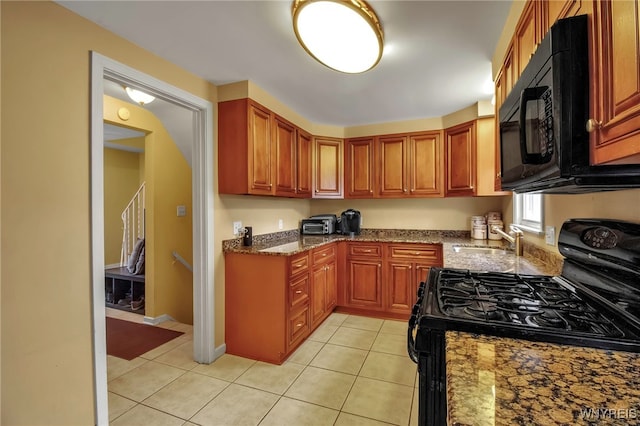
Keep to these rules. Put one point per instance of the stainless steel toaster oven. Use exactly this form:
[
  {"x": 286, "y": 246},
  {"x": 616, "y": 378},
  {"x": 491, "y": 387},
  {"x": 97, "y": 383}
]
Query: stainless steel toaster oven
[{"x": 319, "y": 225}]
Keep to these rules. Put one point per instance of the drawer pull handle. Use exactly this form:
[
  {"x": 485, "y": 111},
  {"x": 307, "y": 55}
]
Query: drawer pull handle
[
  {"x": 299, "y": 324},
  {"x": 417, "y": 253},
  {"x": 298, "y": 265},
  {"x": 298, "y": 291},
  {"x": 367, "y": 251},
  {"x": 324, "y": 254}
]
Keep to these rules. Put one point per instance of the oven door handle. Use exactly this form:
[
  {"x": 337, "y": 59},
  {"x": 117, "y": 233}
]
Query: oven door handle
[{"x": 411, "y": 343}]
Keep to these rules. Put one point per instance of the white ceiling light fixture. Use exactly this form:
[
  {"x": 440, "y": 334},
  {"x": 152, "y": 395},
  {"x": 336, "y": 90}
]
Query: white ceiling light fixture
[
  {"x": 139, "y": 96},
  {"x": 344, "y": 35}
]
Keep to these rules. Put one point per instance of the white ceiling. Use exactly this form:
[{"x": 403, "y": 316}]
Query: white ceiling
[{"x": 437, "y": 57}]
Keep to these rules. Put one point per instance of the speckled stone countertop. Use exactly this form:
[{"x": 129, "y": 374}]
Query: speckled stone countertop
[
  {"x": 501, "y": 381},
  {"x": 288, "y": 243}
]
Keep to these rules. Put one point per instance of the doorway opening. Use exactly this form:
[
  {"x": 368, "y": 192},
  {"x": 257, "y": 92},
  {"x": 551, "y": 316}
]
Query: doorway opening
[{"x": 105, "y": 69}]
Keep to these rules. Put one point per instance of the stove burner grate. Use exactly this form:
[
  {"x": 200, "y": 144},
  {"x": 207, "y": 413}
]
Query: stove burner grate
[{"x": 535, "y": 301}]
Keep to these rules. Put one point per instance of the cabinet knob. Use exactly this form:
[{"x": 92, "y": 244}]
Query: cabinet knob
[
  {"x": 324, "y": 254},
  {"x": 593, "y": 125},
  {"x": 410, "y": 266},
  {"x": 417, "y": 253},
  {"x": 299, "y": 324},
  {"x": 404, "y": 190},
  {"x": 379, "y": 265},
  {"x": 299, "y": 292}
]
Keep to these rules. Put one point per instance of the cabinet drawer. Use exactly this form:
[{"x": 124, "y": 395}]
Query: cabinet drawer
[
  {"x": 365, "y": 250},
  {"x": 299, "y": 263},
  {"x": 299, "y": 292},
  {"x": 298, "y": 325},
  {"x": 415, "y": 251},
  {"x": 324, "y": 254}
]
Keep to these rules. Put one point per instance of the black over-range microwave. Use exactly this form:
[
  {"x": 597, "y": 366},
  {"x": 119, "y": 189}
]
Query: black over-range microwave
[{"x": 543, "y": 138}]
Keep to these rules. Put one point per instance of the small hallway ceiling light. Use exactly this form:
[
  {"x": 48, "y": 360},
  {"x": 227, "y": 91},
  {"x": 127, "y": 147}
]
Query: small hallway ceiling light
[
  {"x": 138, "y": 96},
  {"x": 344, "y": 35}
]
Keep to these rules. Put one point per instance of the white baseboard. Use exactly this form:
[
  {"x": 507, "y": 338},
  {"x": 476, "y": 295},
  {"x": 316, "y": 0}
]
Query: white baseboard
[
  {"x": 219, "y": 351},
  {"x": 157, "y": 320}
]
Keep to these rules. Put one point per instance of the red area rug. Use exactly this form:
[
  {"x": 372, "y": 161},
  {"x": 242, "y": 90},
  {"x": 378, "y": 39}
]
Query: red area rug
[{"x": 128, "y": 340}]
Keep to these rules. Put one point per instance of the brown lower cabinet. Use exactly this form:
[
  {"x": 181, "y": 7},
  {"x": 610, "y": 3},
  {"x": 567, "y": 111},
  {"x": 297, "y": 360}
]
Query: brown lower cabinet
[{"x": 273, "y": 303}]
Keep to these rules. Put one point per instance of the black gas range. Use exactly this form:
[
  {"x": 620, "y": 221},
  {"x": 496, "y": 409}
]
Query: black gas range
[{"x": 595, "y": 302}]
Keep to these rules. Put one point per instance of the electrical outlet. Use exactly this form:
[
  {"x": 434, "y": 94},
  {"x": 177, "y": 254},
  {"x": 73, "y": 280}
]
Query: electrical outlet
[
  {"x": 237, "y": 226},
  {"x": 280, "y": 224},
  {"x": 550, "y": 235}
]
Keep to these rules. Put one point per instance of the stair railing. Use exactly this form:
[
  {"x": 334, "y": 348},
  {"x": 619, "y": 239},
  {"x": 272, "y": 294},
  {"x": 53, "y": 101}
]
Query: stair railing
[{"x": 133, "y": 224}]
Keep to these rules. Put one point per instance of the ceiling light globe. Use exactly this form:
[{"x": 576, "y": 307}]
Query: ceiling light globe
[
  {"x": 139, "y": 96},
  {"x": 343, "y": 35}
]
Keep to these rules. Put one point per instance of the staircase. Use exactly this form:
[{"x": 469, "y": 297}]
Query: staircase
[{"x": 133, "y": 224}]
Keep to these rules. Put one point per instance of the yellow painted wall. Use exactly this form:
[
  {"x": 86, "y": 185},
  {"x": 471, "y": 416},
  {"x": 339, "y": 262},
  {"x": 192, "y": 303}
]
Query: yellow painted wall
[
  {"x": 121, "y": 181},
  {"x": 46, "y": 323},
  {"x": 168, "y": 284},
  {"x": 423, "y": 213}
]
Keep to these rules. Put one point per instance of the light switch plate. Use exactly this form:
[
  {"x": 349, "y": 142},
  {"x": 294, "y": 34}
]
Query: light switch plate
[
  {"x": 181, "y": 211},
  {"x": 550, "y": 235},
  {"x": 280, "y": 224}
]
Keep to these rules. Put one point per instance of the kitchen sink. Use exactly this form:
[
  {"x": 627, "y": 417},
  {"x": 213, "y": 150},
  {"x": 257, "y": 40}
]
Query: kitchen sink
[{"x": 480, "y": 250}]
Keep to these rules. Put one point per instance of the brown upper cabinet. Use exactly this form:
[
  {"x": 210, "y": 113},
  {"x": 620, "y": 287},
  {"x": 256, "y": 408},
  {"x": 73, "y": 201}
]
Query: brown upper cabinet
[
  {"x": 529, "y": 33},
  {"x": 305, "y": 169},
  {"x": 615, "y": 66},
  {"x": 392, "y": 153},
  {"x": 461, "y": 148},
  {"x": 285, "y": 142},
  {"x": 359, "y": 168},
  {"x": 261, "y": 153},
  {"x": 328, "y": 174},
  {"x": 426, "y": 164},
  {"x": 395, "y": 166}
]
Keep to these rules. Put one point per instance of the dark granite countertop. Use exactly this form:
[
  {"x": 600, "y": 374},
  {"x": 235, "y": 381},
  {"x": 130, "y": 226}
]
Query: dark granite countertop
[
  {"x": 502, "y": 381},
  {"x": 288, "y": 243}
]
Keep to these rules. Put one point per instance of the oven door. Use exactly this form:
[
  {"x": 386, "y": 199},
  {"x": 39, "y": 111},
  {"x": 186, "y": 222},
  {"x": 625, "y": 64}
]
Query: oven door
[{"x": 426, "y": 348}]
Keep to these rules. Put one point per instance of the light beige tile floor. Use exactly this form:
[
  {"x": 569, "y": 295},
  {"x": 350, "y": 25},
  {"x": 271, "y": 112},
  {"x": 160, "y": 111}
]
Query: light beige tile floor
[{"x": 351, "y": 371}]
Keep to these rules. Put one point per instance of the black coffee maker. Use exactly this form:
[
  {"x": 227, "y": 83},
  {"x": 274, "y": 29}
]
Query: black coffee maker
[{"x": 350, "y": 222}]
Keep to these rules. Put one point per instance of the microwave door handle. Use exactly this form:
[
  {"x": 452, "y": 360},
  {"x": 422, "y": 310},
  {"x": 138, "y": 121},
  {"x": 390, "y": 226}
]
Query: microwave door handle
[{"x": 529, "y": 94}]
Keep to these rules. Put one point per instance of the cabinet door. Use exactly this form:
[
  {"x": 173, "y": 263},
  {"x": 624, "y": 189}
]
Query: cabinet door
[
  {"x": 558, "y": 9},
  {"x": 260, "y": 151},
  {"x": 527, "y": 35},
  {"x": 392, "y": 160},
  {"x": 426, "y": 164},
  {"x": 359, "y": 170},
  {"x": 304, "y": 169},
  {"x": 284, "y": 136},
  {"x": 331, "y": 289},
  {"x": 461, "y": 159},
  {"x": 365, "y": 283},
  {"x": 318, "y": 293},
  {"x": 616, "y": 99},
  {"x": 399, "y": 278},
  {"x": 328, "y": 176}
]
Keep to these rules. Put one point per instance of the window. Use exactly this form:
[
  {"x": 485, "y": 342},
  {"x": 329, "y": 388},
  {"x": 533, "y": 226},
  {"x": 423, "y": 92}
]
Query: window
[{"x": 528, "y": 212}]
